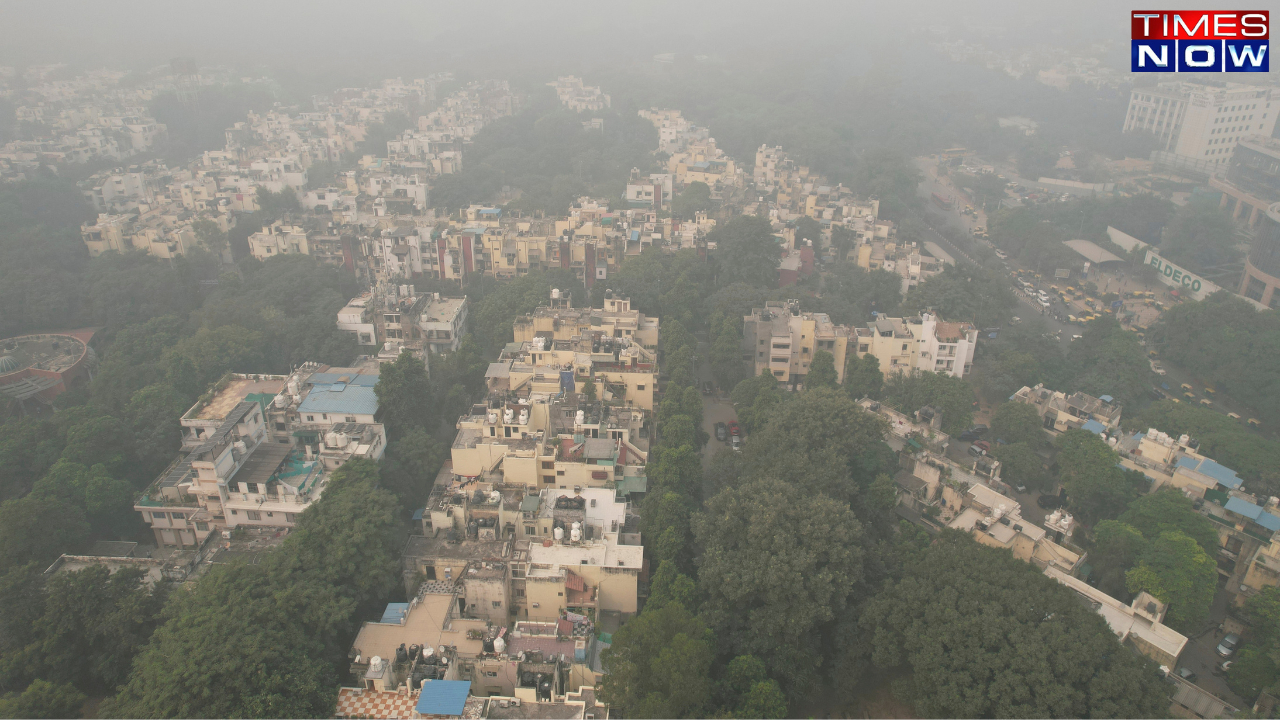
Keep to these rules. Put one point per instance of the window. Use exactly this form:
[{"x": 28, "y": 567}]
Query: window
[
  {"x": 430, "y": 571},
  {"x": 202, "y": 526},
  {"x": 548, "y": 465},
  {"x": 639, "y": 387},
  {"x": 253, "y": 514},
  {"x": 863, "y": 348},
  {"x": 528, "y": 530},
  {"x": 351, "y": 418},
  {"x": 548, "y": 479},
  {"x": 178, "y": 516},
  {"x": 491, "y": 673},
  {"x": 311, "y": 418},
  {"x": 324, "y": 416},
  {"x": 560, "y": 594},
  {"x": 281, "y": 427},
  {"x": 497, "y": 604},
  {"x": 159, "y": 515},
  {"x": 290, "y": 517},
  {"x": 235, "y": 512},
  {"x": 904, "y": 347}
]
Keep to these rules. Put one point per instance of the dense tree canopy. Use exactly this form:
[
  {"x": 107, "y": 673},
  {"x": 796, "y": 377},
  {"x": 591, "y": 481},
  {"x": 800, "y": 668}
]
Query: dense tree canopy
[
  {"x": 910, "y": 391},
  {"x": 747, "y": 251},
  {"x": 975, "y": 641},
  {"x": 964, "y": 294}
]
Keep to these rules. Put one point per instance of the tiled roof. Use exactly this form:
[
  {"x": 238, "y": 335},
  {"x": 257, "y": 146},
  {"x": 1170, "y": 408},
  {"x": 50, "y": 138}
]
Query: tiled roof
[{"x": 361, "y": 703}]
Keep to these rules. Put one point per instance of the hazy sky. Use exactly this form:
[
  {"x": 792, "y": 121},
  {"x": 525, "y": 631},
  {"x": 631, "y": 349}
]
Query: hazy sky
[{"x": 407, "y": 38}]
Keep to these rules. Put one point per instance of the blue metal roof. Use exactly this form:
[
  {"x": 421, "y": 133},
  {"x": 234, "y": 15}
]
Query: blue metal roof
[
  {"x": 491, "y": 211},
  {"x": 1254, "y": 513},
  {"x": 443, "y": 697},
  {"x": 635, "y": 236},
  {"x": 417, "y": 514},
  {"x": 1093, "y": 426},
  {"x": 394, "y": 613},
  {"x": 330, "y": 378},
  {"x": 1106, "y": 398},
  {"x": 1221, "y": 473},
  {"x": 339, "y": 398}
]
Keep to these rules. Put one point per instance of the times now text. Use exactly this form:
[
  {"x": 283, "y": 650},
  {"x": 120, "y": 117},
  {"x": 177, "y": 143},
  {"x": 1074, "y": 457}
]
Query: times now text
[{"x": 1200, "y": 40}]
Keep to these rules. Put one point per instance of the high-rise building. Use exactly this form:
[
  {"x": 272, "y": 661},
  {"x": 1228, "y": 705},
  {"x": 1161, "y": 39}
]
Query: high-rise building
[{"x": 1202, "y": 122}]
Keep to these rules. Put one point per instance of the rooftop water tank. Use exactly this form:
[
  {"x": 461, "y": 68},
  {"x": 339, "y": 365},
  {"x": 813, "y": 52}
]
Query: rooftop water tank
[
  {"x": 508, "y": 415},
  {"x": 282, "y": 400},
  {"x": 499, "y": 646},
  {"x": 580, "y": 418},
  {"x": 524, "y": 417},
  {"x": 575, "y": 533},
  {"x": 559, "y": 534}
]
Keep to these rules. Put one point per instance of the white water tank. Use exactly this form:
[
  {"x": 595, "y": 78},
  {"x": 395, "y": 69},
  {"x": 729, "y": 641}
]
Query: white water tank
[
  {"x": 241, "y": 447},
  {"x": 495, "y": 496},
  {"x": 575, "y": 533},
  {"x": 297, "y": 399},
  {"x": 331, "y": 439},
  {"x": 559, "y": 534},
  {"x": 342, "y": 440},
  {"x": 282, "y": 400},
  {"x": 524, "y": 417},
  {"x": 508, "y": 415},
  {"x": 499, "y": 645},
  {"x": 375, "y": 663},
  {"x": 493, "y": 418},
  {"x": 580, "y": 418},
  {"x": 293, "y": 386},
  {"x": 428, "y": 651},
  {"x": 555, "y": 293}
]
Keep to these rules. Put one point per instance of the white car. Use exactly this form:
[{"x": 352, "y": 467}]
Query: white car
[
  {"x": 1157, "y": 369},
  {"x": 1044, "y": 303}
]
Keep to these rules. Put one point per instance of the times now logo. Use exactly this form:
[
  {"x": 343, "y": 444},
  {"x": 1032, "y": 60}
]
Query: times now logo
[{"x": 1200, "y": 41}]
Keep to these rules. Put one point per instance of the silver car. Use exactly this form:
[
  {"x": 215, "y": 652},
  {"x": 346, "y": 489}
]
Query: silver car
[{"x": 1228, "y": 646}]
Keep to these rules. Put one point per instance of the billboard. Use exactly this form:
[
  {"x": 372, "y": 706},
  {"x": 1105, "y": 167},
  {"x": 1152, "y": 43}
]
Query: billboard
[{"x": 1187, "y": 282}]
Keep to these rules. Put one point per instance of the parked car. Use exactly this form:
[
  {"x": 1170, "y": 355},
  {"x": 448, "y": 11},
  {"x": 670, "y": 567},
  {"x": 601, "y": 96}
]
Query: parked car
[
  {"x": 1223, "y": 667},
  {"x": 1049, "y": 502},
  {"x": 734, "y": 430},
  {"x": 722, "y": 432},
  {"x": 976, "y": 451},
  {"x": 1228, "y": 646},
  {"x": 737, "y": 443},
  {"x": 1020, "y": 488},
  {"x": 1186, "y": 674},
  {"x": 983, "y": 445},
  {"x": 708, "y": 388}
]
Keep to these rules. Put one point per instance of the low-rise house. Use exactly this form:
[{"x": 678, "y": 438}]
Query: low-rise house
[
  {"x": 1060, "y": 412},
  {"x": 1139, "y": 624},
  {"x": 279, "y": 238}
]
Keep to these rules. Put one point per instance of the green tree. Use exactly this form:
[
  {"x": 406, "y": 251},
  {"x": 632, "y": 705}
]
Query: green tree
[
  {"x": 1168, "y": 509},
  {"x": 43, "y": 699},
  {"x": 778, "y": 609},
  {"x": 1201, "y": 236},
  {"x": 748, "y": 251},
  {"x": 670, "y": 586},
  {"x": 964, "y": 294},
  {"x": 755, "y": 398},
  {"x": 589, "y": 390},
  {"x": 694, "y": 197},
  {"x": 862, "y": 376},
  {"x": 808, "y": 229},
  {"x": 822, "y": 371},
  {"x": 659, "y": 665},
  {"x": 953, "y": 396},
  {"x": 404, "y": 395},
  {"x": 39, "y": 529},
  {"x": 968, "y": 621},
  {"x": 1175, "y": 569},
  {"x": 1020, "y": 465},
  {"x": 748, "y": 691},
  {"x": 410, "y": 466},
  {"x": 1116, "y": 548},
  {"x": 210, "y": 235},
  {"x": 1096, "y": 487},
  {"x": 1254, "y": 668},
  {"x": 1016, "y": 422}
]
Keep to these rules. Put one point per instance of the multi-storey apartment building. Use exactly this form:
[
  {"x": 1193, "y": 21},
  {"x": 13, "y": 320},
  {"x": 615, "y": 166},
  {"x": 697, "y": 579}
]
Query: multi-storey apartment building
[
  {"x": 781, "y": 339},
  {"x": 1202, "y": 122}
]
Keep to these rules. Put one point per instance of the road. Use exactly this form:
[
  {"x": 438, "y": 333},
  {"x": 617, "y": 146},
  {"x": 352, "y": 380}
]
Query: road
[
  {"x": 715, "y": 408},
  {"x": 1201, "y": 654}
]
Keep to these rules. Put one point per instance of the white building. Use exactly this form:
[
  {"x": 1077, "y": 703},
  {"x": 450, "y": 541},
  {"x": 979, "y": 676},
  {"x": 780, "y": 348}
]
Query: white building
[
  {"x": 357, "y": 318},
  {"x": 1202, "y": 122},
  {"x": 279, "y": 239},
  {"x": 442, "y": 322}
]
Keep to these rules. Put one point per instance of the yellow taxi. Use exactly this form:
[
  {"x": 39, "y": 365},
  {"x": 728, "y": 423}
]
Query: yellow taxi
[
  {"x": 1253, "y": 422},
  {"x": 1234, "y": 416},
  {"x": 1206, "y": 402},
  {"x": 1210, "y": 390},
  {"x": 1186, "y": 386}
]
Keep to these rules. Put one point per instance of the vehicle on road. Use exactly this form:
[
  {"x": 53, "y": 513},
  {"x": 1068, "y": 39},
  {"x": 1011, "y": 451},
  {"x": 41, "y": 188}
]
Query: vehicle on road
[
  {"x": 1210, "y": 391},
  {"x": 1234, "y": 416},
  {"x": 722, "y": 432},
  {"x": 1045, "y": 303},
  {"x": 1015, "y": 320},
  {"x": 734, "y": 429},
  {"x": 708, "y": 387},
  {"x": 1206, "y": 402},
  {"x": 1002, "y": 254},
  {"x": 1076, "y": 337},
  {"x": 1253, "y": 422},
  {"x": 1020, "y": 488},
  {"x": 1229, "y": 644},
  {"x": 973, "y": 433},
  {"x": 1189, "y": 396},
  {"x": 1186, "y": 386}
]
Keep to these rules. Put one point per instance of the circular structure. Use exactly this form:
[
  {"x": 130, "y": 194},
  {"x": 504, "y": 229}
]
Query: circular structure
[
  {"x": 42, "y": 366},
  {"x": 1262, "y": 266}
]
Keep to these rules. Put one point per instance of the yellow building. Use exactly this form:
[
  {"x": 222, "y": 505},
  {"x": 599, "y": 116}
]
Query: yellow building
[{"x": 782, "y": 339}]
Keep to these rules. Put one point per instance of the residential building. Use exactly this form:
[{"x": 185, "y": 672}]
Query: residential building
[
  {"x": 257, "y": 450},
  {"x": 922, "y": 343},
  {"x": 357, "y": 318},
  {"x": 279, "y": 239},
  {"x": 1060, "y": 412},
  {"x": 561, "y": 321},
  {"x": 995, "y": 520},
  {"x": 578, "y": 97},
  {"x": 1202, "y": 122},
  {"x": 782, "y": 339},
  {"x": 1139, "y": 623},
  {"x": 439, "y": 323}
]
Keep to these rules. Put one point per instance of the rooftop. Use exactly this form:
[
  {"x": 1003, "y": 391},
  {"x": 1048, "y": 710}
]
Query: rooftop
[
  {"x": 55, "y": 353},
  {"x": 438, "y": 546},
  {"x": 1222, "y": 474},
  {"x": 339, "y": 398},
  {"x": 443, "y": 697},
  {"x": 235, "y": 390}
]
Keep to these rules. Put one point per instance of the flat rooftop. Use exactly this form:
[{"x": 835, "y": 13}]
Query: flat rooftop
[
  {"x": 55, "y": 353},
  {"x": 236, "y": 389},
  {"x": 442, "y": 310},
  {"x": 423, "y": 546}
]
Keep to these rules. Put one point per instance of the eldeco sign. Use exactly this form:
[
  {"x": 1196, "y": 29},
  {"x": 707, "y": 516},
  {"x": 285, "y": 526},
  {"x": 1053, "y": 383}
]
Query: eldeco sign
[{"x": 1175, "y": 276}]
